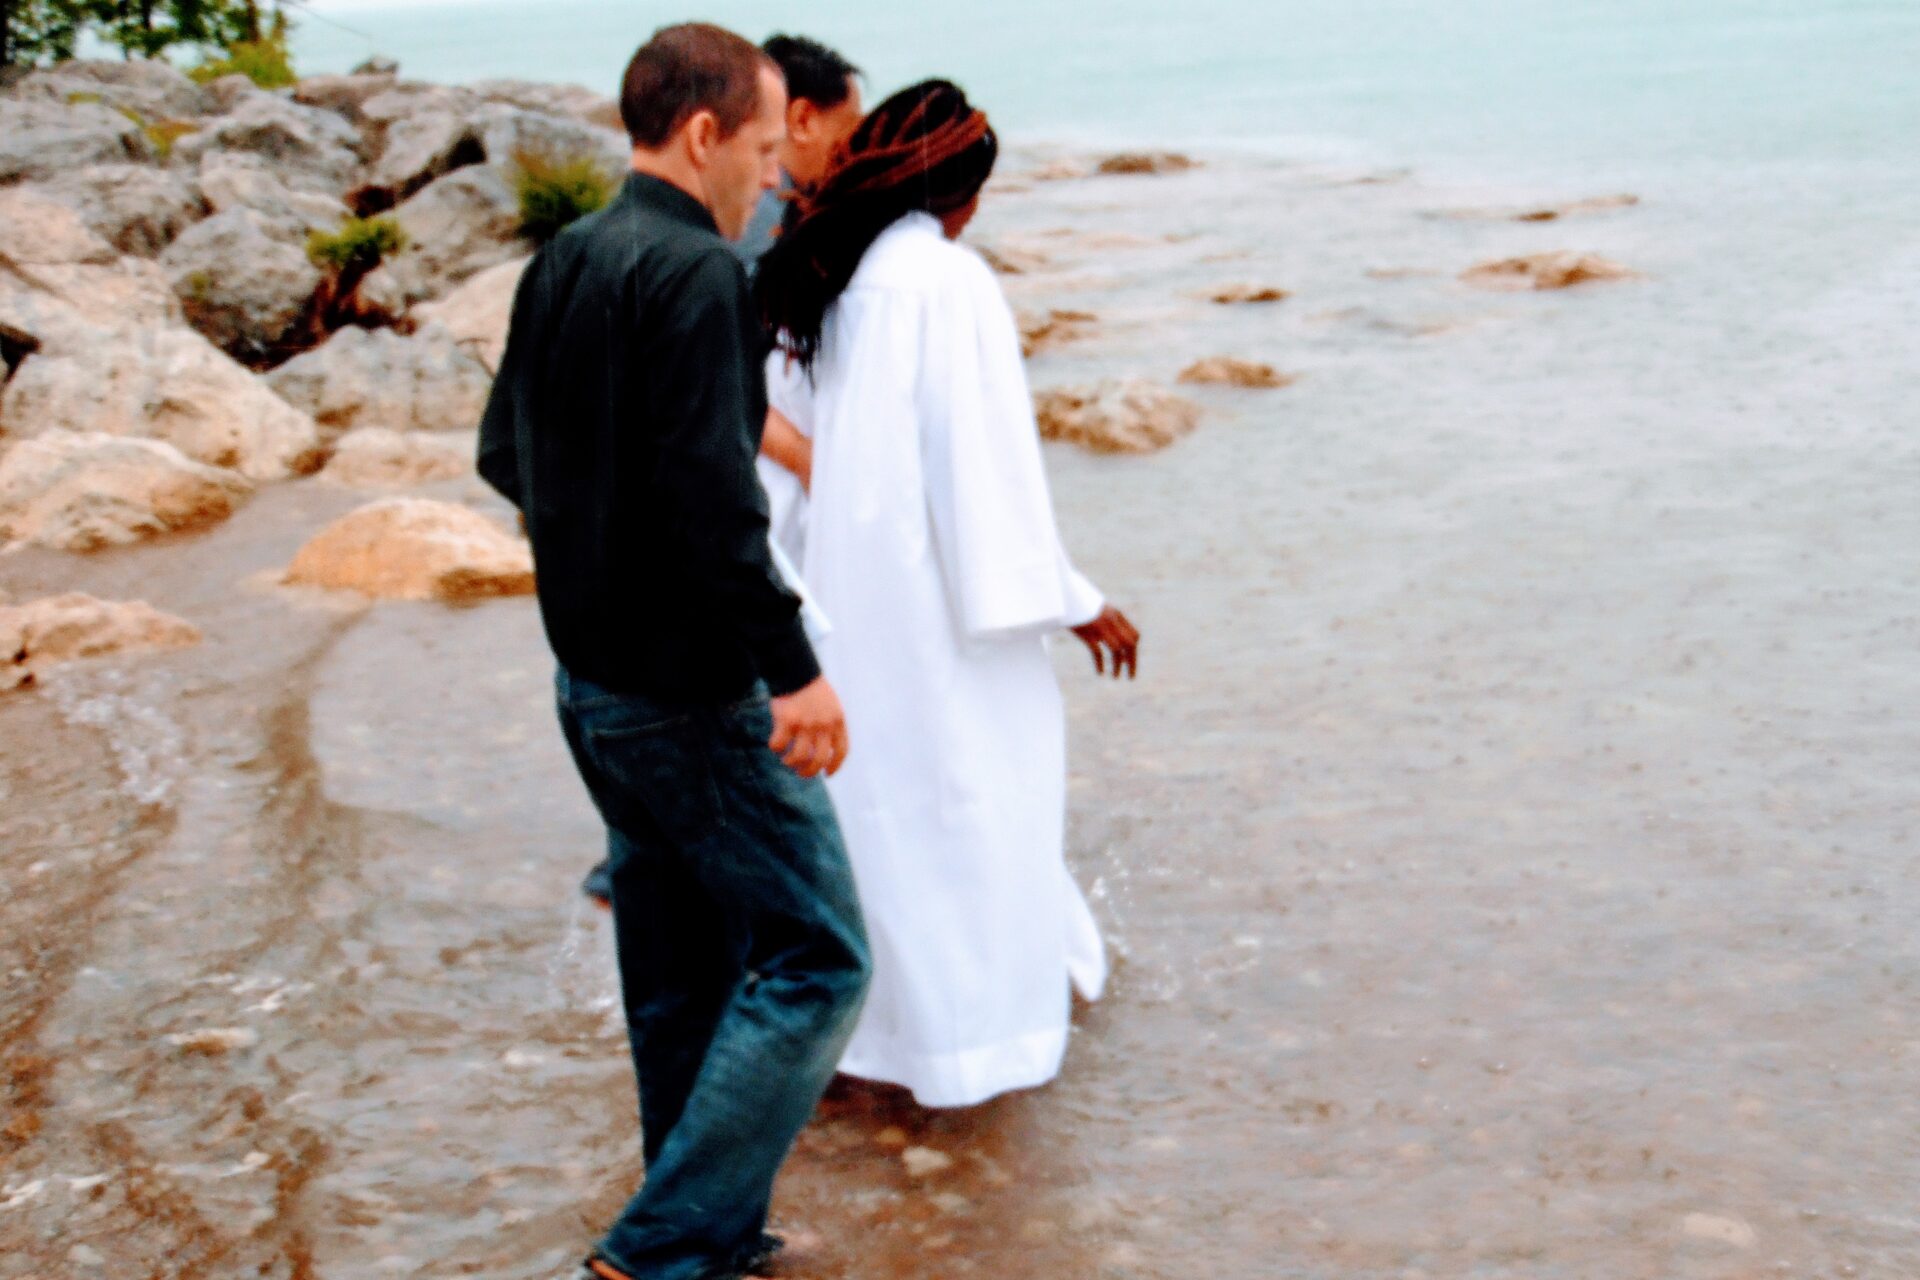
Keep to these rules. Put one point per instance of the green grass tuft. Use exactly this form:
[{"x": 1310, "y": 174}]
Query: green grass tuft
[
  {"x": 360, "y": 244},
  {"x": 554, "y": 192}
]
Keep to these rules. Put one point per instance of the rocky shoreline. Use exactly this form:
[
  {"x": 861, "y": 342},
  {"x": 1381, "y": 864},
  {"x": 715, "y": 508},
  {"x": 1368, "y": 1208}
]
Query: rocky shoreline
[
  {"x": 173, "y": 340},
  {"x": 208, "y": 288}
]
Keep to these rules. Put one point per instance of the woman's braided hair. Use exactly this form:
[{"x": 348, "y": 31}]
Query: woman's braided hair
[{"x": 925, "y": 149}]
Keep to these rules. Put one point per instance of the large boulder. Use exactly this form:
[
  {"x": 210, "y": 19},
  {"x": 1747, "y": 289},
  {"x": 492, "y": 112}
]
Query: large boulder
[
  {"x": 1559, "y": 270},
  {"x": 136, "y": 208},
  {"x": 1131, "y": 416},
  {"x": 456, "y": 227},
  {"x": 377, "y": 458},
  {"x": 163, "y": 384},
  {"x": 66, "y": 305},
  {"x": 570, "y": 100},
  {"x": 508, "y": 133},
  {"x": 40, "y": 139},
  {"x": 297, "y": 139},
  {"x": 78, "y": 492},
  {"x": 403, "y": 98},
  {"x": 46, "y": 632},
  {"x": 37, "y": 229},
  {"x": 377, "y": 378},
  {"x": 150, "y": 88},
  {"x": 244, "y": 280},
  {"x": 415, "y": 549},
  {"x": 60, "y": 281},
  {"x": 416, "y": 150},
  {"x": 478, "y": 312},
  {"x": 342, "y": 95},
  {"x": 231, "y": 180}
]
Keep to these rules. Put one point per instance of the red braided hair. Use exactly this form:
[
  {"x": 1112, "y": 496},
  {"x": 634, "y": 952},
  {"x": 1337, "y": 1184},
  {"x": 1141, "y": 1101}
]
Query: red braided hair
[{"x": 924, "y": 149}]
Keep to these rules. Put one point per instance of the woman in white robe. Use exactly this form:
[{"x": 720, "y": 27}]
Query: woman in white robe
[{"x": 930, "y": 545}]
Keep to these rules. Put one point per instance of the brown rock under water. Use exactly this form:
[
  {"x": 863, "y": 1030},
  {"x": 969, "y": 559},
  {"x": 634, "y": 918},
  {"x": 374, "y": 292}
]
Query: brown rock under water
[
  {"x": 1559, "y": 270},
  {"x": 1131, "y": 162},
  {"x": 1541, "y": 213},
  {"x": 1131, "y": 416},
  {"x": 1040, "y": 333},
  {"x": 1229, "y": 371},
  {"x": 65, "y": 628},
  {"x": 1242, "y": 294},
  {"x": 415, "y": 549}
]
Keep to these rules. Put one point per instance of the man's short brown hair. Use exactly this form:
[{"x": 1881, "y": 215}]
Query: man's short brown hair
[{"x": 686, "y": 69}]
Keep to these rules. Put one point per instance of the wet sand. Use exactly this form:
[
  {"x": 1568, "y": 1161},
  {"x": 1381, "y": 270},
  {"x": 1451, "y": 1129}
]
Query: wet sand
[{"x": 1505, "y": 847}]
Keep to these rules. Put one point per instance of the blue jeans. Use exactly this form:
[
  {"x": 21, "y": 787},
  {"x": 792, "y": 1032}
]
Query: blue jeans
[{"x": 743, "y": 961}]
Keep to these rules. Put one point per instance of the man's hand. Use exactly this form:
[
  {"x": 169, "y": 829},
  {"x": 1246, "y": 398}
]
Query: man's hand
[
  {"x": 1113, "y": 641},
  {"x": 810, "y": 730}
]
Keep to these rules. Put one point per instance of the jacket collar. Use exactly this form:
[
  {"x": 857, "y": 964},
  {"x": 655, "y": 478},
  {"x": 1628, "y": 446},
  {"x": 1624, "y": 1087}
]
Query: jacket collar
[{"x": 649, "y": 192}]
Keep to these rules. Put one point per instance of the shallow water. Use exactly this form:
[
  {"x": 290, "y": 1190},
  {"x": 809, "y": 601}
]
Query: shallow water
[{"x": 1506, "y": 846}]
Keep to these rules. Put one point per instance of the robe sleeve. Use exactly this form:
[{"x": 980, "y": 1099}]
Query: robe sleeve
[{"x": 993, "y": 521}]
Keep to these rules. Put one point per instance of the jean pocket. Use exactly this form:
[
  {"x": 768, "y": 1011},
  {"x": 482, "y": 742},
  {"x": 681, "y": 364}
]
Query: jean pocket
[{"x": 657, "y": 776}]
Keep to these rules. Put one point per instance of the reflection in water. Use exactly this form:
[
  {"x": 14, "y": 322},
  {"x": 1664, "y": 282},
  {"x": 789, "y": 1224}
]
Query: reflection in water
[{"x": 1503, "y": 848}]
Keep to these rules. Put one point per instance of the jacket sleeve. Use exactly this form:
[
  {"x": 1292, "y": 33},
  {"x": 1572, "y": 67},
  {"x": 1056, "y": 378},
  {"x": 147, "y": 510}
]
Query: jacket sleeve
[
  {"x": 710, "y": 407},
  {"x": 510, "y": 403}
]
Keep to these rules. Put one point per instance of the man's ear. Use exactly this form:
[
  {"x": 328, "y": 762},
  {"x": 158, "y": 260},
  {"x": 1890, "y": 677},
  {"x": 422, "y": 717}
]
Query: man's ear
[
  {"x": 703, "y": 135},
  {"x": 803, "y": 117}
]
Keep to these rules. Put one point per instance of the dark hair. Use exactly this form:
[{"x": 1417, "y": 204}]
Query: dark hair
[
  {"x": 925, "y": 149},
  {"x": 687, "y": 69},
  {"x": 813, "y": 71}
]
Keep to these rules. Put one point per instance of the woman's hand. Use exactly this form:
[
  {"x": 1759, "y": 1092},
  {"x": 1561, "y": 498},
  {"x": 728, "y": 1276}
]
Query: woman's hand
[
  {"x": 1113, "y": 641},
  {"x": 786, "y": 446}
]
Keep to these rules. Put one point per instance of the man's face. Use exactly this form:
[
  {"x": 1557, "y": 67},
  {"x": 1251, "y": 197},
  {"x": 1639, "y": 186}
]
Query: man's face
[
  {"x": 739, "y": 169},
  {"x": 815, "y": 132}
]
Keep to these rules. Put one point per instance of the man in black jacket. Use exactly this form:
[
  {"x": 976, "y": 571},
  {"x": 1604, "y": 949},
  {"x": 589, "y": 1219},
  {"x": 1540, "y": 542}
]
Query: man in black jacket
[{"x": 624, "y": 424}]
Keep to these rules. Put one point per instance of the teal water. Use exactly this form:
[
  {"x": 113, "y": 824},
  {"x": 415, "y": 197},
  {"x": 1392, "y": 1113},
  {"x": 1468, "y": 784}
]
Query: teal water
[{"x": 1591, "y": 86}]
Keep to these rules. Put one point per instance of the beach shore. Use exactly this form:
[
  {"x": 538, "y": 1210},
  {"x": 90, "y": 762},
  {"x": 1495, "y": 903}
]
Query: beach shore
[{"x": 1502, "y": 850}]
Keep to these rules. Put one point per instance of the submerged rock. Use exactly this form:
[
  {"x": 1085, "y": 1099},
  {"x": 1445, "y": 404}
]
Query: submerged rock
[
  {"x": 75, "y": 492},
  {"x": 1228, "y": 371},
  {"x": 1131, "y": 416},
  {"x": 415, "y": 549},
  {"x": 42, "y": 633},
  {"x": 1147, "y": 162},
  {"x": 1541, "y": 213},
  {"x": 1234, "y": 295},
  {"x": 1013, "y": 260},
  {"x": 1560, "y": 270},
  {"x": 137, "y": 208},
  {"x": 163, "y": 384},
  {"x": 377, "y": 458},
  {"x": 378, "y": 378},
  {"x": 1042, "y": 333},
  {"x": 478, "y": 312}
]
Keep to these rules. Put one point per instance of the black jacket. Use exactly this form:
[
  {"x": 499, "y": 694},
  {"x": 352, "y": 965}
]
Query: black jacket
[{"x": 624, "y": 423}]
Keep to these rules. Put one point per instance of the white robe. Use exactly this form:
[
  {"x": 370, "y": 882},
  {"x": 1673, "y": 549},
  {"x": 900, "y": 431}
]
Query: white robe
[{"x": 930, "y": 543}]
